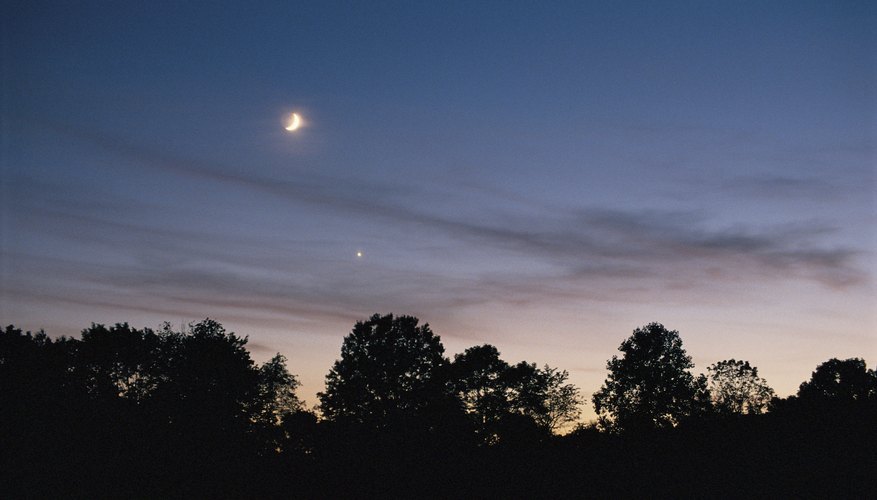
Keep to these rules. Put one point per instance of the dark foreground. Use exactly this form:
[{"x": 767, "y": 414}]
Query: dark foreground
[
  {"x": 126, "y": 413},
  {"x": 813, "y": 454}
]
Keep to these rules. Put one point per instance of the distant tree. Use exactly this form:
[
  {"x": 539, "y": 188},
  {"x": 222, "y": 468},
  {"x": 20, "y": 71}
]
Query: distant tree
[
  {"x": 190, "y": 407},
  {"x": 388, "y": 373},
  {"x": 41, "y": 414},
  {"x": 563, "y": 401},
  {"x": 118, "y": 361},
  {"x": 299, "y": 432},
  {"x": 499, "y": 396},
  {"x": 650, "y": 385},
  {"x": 702, "y": 405},
  {"x": 479, "y": 379},
  {"x": 276, "y": 409},
  {"x": 276, "y": 395},
  {"x": 736, "y": 388},
  {"x": 836, "y": 380},
  {"x": 543, "y": 395},
  {"x": 34, "y": 371},
  {"x": 210, "y": 374},
  {"x": 20, "y": 358},
  {"x": 210, "y": 392}
]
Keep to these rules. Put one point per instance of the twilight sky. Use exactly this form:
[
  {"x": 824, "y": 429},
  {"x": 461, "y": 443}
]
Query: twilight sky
[{"x": 544, "y": 177}]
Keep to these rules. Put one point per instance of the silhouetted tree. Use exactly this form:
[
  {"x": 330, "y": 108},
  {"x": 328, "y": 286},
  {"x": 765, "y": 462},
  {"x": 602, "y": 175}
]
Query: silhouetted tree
[
  {"x": 650, "y": 385},
  {"x": 499, "y": 396},
  {"x": 211, "y": 378},
  {"x": 562, "y": 400},
  {"x": 387, "y": 374},
  {"x": 276, "y": 397},
  {"x": 702, "y": 405},
  {"x": 479, "y": 377},
  {"x": 119, "y": 361},
  {"x": 21, "y": 358},
  {"x": 543, "y": 395},
  {"x": 40, "y": 413},
  {"x": 275, "y": 406},
  {"x": 136, "y": 413},
  {"x": 836, "y": 380},
  {"x": 299, "y": 432},
  {"x": 736, "y": 388},
  {"x": 34, "y": 373}
]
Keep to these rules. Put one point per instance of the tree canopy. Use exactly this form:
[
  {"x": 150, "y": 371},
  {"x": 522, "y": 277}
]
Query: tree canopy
[
  {"x": 180, "y": 378},
  {"x": 134, "y": 412},
  {"x": 847, "y": 380},
  {"x": 649, "y": 386},
  {"x": 389, "y": 370},
  {"x": 502, "y": 398},
  {"x": 736, "y": 388},
  {"x": 478, "y": 376}
]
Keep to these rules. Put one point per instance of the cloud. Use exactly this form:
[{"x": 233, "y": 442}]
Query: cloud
[
  {"x": 554, "y": 253},
  {"x": 772, "y": 186}
]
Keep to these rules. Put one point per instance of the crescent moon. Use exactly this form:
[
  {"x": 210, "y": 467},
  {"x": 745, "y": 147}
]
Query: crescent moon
[{"x": 294, "y": 123}]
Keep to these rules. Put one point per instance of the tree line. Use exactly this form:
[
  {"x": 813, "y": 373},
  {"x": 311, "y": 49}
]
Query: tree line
[{"x": 142, "y": 412}]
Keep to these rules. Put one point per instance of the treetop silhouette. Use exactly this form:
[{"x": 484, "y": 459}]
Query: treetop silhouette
[
  {"x": 388, "y": 371},
  {"x": 736, "y": 388},
  {"x": 136, "y": 412},
  {"x": 836, "y": 380},
  {"x": 649, "y": 386},
  {"x": 502, "y": 398}
]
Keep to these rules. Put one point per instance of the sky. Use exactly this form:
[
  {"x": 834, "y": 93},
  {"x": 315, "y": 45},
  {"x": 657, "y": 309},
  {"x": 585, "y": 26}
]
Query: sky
[{"x": 541, "y": 176}]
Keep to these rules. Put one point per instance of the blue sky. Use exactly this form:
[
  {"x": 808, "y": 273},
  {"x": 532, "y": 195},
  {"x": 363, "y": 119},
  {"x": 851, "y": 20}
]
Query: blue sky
[{"x": 541, "y": 176}]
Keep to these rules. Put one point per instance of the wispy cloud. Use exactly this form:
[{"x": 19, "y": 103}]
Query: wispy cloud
[
  {"x": 572, "y": 250},
  {"x": 786, "y": 187}
]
